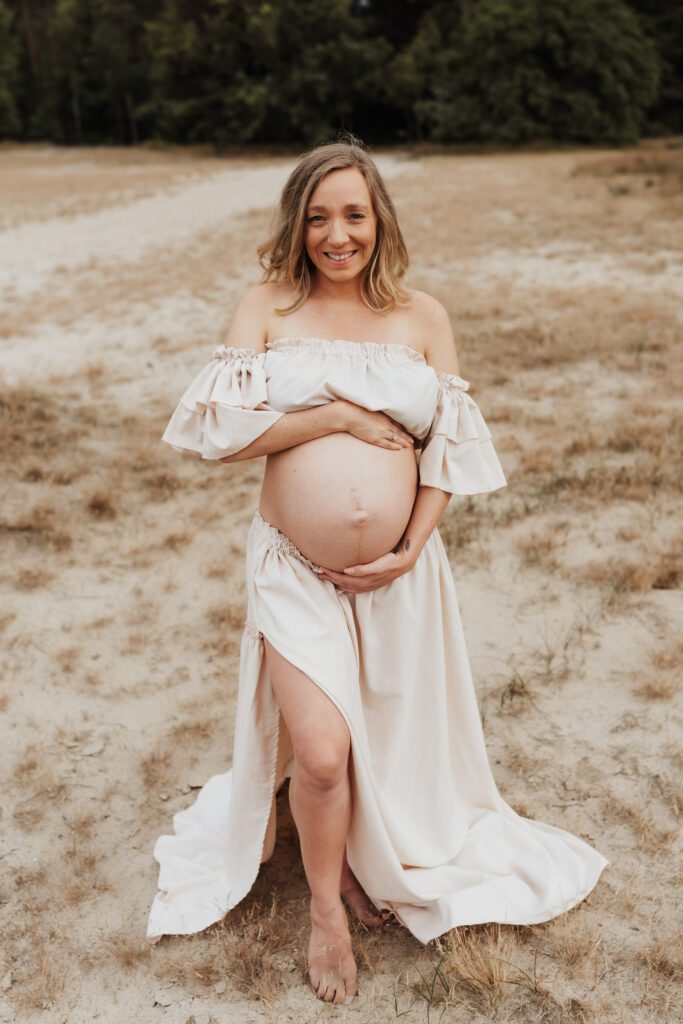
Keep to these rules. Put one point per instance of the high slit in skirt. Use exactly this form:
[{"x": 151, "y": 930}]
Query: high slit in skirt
[{"x": 430, "y": 838}]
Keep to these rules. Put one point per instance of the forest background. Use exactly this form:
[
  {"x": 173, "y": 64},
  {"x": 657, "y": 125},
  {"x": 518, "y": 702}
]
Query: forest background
[{"x": 231, "y": 72}]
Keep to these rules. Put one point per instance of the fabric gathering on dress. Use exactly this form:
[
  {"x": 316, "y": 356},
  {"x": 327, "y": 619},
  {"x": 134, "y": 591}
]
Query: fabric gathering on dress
[{"x": 431, "y": 837}]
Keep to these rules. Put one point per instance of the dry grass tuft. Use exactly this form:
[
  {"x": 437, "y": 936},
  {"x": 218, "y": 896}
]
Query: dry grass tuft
[
  {"x": 43, "y": 980},
  {"x": 477, "y": 969},
  {"x": 656, "y": 571},
  {"x": 662, "y": 166},
  {"x": 572, "y": 941},
  {"x": 668, "y": 657},
  {"x": 176, "y": 541},
  {"x": 200, "y": 730},
  {"x": 6, "y": 619},
  {"x": 161, "y": 486},
  {"x": 155, "y": 767},
  {"x": 478, "y": 962},
  {"x": 30, "y": 879},
  {"x": 68, "y": 658},
  {"x": 28, "y": 766},
  {"x": 664, "y": 957},
  {"x": 265, "y": 939},
  {"x": 84, "y": 879},
  {"x": 538, "y": 550},
  {"x": 670, "y": 792},
  {"x": 30, "y": 424},
  {"x": 39, "y": 777},
  {"x": 254, "y": 947},
  {"x": 36, "y": 527},
  {"x": 83, "y": 888},
  {"x": 462, "y": 524},
  {"x": 122, "y": 948},
  {"x": 516, "y": 694},
  {"x": 653, "y": 839},
  {"x": 100, "y": 506},
  {"x": 657, "y": 688},
  {"x": 80, "y": 825},
  {"x": 32, "y": 579},
  {"x": 226, "y": 616}
]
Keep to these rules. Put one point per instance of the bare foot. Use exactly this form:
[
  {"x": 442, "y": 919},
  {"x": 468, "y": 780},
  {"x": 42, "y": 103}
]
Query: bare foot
[
  {"x": 331, "y": 967},
  {"x": 357, "y": 900}
]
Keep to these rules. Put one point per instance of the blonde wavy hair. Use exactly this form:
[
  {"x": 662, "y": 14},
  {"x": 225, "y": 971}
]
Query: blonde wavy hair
[{"x": 283, "y": 256}]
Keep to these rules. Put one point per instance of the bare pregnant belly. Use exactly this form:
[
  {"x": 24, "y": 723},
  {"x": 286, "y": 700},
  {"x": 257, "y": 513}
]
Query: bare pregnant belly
[{"x": 341, "y": 500}]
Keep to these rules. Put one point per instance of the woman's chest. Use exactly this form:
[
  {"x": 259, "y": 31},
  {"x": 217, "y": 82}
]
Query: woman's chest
[{"x": 302, "y": 373}]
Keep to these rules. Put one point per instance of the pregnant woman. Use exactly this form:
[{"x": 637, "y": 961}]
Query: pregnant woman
[{"x": 354, "y": 676}]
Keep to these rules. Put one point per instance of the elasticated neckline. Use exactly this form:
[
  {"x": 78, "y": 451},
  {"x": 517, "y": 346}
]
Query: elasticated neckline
[{"x": 365, "y": 349}]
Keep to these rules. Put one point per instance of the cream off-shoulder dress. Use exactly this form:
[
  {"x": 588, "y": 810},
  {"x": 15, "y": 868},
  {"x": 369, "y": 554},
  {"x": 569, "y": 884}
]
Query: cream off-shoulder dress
[{"x": 430, "y": 837}]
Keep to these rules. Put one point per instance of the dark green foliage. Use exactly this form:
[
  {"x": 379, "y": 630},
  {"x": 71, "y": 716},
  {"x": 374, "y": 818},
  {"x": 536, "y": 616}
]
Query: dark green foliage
[
  {"x": 83, "y": 70},
  {"x": 512, "y": 71},
  {"x": 232, "y": 71},
  {"x": 294, "y": 71},
  {"x": 662, "y": 21},
  {"x": 9, "y": 64}
]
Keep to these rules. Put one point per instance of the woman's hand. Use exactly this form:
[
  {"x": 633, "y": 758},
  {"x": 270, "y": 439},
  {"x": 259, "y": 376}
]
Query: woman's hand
[
  {"x": 357, "y": 579},
  {"x": 373, "y": 427}
]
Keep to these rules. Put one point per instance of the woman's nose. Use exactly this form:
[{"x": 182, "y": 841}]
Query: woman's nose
[{"x": 337, "y": 234}]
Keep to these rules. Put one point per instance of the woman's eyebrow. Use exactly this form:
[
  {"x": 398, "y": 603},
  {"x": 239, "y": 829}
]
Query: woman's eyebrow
[{"x": 348, "y": 206}]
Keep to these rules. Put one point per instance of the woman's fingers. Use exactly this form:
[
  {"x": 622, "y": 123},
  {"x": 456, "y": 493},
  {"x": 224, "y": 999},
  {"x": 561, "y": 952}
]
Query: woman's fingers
[
  {"x": 380, "y": 565},
  {"x": 400, "y": 430},
  {"x": 355, "y": 584},
  {"x": 396, "y": 440}
]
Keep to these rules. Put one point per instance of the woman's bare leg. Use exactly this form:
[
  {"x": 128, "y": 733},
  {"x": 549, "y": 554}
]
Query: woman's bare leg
[
  {"x": 320, "y": 798},
  {"x": 357, "y": 899}
]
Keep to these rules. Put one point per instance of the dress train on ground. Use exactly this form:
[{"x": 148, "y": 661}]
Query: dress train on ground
[{"x": 431, "y": 837}]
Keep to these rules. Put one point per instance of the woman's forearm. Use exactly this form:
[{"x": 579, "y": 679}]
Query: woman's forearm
[
  {"x": 430, "y": 505},
  {"x": 294, "y": 428}
]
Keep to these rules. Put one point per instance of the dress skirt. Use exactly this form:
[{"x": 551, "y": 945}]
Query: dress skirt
[{"x": 431, "y": 838}]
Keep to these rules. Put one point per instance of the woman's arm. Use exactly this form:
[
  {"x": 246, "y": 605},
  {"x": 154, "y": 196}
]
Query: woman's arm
[
  {"x": 306, "y": 424},
  {"x": 291, "y": 429}
]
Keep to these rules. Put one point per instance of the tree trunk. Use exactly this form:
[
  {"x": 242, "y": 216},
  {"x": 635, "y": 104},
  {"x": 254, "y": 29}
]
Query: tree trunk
[
  {"x": 133, "y": 125},
  {"x": 30, "y": 38},
  {"x": 76, "y": 109}
]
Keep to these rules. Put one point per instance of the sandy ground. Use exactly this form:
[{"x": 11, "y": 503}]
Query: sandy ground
[{"x": 123, "y": 593}]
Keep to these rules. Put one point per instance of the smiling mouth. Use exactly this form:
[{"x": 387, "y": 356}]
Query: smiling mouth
[{"x": 341, "y": 257}]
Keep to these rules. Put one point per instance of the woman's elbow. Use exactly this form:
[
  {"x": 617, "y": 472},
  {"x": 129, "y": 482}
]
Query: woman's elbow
[{"x": 242, "y": 455}]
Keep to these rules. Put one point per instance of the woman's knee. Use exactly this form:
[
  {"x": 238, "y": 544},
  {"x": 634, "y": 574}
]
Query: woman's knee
[{"x": 323, "y": 765}]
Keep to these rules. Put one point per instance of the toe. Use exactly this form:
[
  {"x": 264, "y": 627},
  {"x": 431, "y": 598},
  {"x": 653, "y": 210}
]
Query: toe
[{"x": 350, "y": 988}]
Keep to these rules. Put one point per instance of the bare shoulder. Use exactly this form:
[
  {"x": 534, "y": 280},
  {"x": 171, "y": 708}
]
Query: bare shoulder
[
  {"x": 248, "y": 327},
  {"x": 255, "y": 319},
  {"x": 433, "y": 326}
]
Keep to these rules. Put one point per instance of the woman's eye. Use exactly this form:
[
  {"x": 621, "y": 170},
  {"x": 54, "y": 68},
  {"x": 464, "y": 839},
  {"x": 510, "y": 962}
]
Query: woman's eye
[{"x": 316, "y": 218}]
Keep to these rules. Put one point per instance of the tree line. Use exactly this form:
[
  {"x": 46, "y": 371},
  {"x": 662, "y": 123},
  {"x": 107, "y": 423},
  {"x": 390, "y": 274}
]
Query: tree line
[{"x": 232, "y": 72}]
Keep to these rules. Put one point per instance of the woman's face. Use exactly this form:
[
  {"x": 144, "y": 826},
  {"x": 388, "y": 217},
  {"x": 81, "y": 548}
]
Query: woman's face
[{"x": 341, "y": 225}]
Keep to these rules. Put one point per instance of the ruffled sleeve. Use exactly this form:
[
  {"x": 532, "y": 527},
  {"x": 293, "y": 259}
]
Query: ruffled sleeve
[
  {"x": 225, "y": 407},
  {"x": 458, "y": 455}
]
